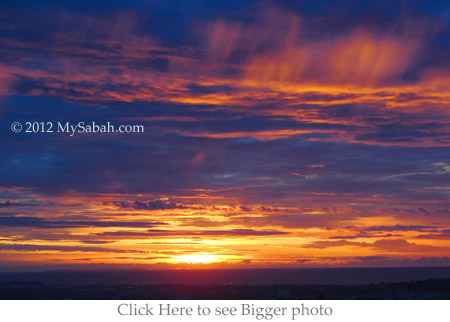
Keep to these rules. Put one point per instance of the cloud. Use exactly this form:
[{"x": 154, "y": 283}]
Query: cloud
[
  {"x": 389, "y": 245},
  {"x": 189, "y": 233},
  {"x": 150, "y": 205},
  {"x": 8, "y": 204},
  {"x": 42, "y": 223},
  {"x": 43, "y": 248},
  {"x": 420, "y": 228},
  {"x": 424, "y": 211},
  {"x": 322, "y": 244},
  {"x": 205, "y": 90}
]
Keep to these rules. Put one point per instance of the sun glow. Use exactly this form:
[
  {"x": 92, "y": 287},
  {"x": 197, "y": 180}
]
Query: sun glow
[{"x": 197, "y": 258}]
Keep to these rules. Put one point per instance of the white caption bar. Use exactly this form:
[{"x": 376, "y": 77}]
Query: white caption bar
[{"x": 294, "y": 310}]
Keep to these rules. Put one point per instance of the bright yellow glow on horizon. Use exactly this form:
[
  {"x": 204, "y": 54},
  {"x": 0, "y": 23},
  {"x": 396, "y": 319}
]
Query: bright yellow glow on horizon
[{"x": 197, "y": 258}]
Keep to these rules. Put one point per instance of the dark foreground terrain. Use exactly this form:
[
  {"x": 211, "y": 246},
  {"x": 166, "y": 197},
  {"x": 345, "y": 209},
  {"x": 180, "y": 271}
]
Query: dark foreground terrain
[{"x": 436, "y": 289}]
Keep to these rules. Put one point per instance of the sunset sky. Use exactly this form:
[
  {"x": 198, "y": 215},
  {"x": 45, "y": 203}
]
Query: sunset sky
[{"x": 277, "y": 134}]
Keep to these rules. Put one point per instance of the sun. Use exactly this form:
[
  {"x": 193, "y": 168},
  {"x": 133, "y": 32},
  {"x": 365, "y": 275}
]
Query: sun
[{"x": 197, "y": 258}]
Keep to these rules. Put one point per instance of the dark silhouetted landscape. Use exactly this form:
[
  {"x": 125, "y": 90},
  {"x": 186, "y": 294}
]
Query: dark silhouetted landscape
[{"x": 305, "y": 283}]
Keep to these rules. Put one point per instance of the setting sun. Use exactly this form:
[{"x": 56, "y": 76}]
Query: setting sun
[{"x": 197, "y": 258}]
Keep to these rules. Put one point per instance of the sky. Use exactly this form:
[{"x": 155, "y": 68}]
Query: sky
[{"x": 277, "y": 134}]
